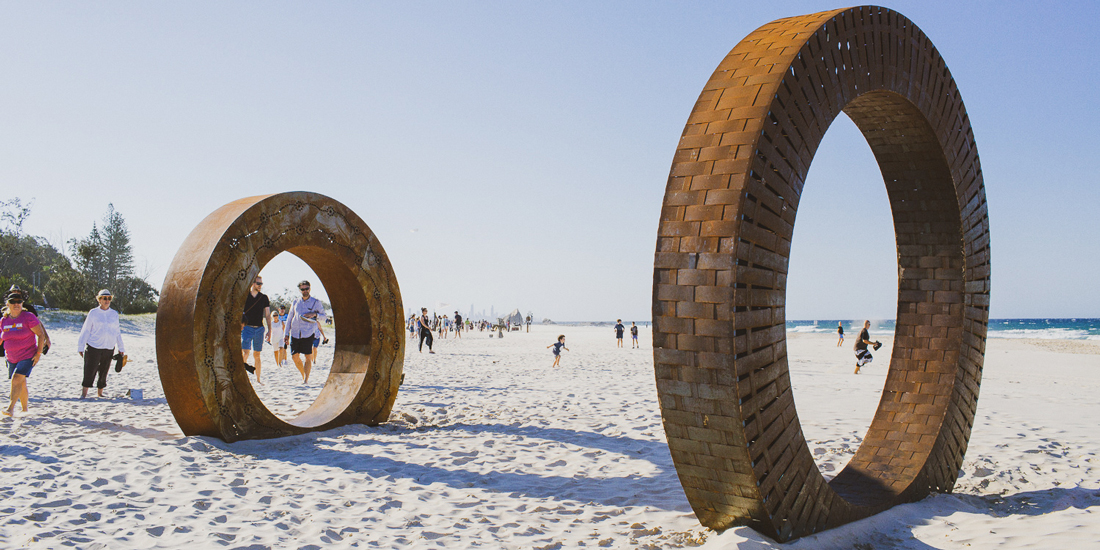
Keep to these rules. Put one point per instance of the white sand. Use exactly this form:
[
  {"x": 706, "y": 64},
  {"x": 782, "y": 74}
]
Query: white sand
[{"x": 489, "y": 447}]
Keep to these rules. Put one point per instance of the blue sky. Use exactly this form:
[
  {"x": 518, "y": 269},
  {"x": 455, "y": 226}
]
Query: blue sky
[{"x": 514, "y": 154}]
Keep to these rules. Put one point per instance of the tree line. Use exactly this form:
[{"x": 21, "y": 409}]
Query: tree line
[{"x": 102, "y": 259}]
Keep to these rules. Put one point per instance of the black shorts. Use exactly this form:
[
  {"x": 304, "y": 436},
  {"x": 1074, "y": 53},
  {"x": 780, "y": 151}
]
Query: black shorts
[{"x": 303, "y": 346}]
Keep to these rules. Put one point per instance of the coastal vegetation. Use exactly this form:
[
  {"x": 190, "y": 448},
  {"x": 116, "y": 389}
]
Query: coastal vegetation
[{"x": 102, "y": 259}]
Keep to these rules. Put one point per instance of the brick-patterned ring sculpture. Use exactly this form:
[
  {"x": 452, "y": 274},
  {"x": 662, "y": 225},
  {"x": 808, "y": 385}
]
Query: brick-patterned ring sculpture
[
  {"x": 720, "y": 272},
  {"x": 198, "y": 321}
]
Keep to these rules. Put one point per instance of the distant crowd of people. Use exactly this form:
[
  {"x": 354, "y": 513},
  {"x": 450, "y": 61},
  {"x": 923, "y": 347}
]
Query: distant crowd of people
[{"x": 442, "y": 326}]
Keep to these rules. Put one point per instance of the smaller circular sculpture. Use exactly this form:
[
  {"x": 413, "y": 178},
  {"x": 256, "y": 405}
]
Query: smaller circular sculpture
[{"x": 198, "y": 320}]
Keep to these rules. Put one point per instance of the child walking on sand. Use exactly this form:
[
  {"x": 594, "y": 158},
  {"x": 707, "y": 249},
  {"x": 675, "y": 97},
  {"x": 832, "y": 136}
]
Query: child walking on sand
[{"x": 558, "y": 346}]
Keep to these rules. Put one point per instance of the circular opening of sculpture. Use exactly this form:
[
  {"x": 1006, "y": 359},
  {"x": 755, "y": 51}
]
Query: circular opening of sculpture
[
  {"x": 842, "y": 271},
  {"x": 288, "y": 383},
  {"x": 203, "y": 317}
]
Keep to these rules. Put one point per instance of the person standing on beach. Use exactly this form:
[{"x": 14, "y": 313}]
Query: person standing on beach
[
  {"x": 98, "y": 338},
  {"x": 301, "y": 327},
  {"x": 558, "y": 346},
  {"x": 24, "y": 340},
  {"x": 634, "y": 336},
  {"x": 458, "y": 325},
  {"x": 619, "y": 328},
  {"x": 257, "y": 313},
  {"x": 425, "y": 327},
  {"x": 863, "y": 355},
  {"x": 840, "y": 331}
]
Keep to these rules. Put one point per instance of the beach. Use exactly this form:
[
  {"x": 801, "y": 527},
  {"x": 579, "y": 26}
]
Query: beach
[{"x": 488, "y": 447}]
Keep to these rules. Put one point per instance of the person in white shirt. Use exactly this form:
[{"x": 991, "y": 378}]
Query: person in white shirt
[
  {"x": 277, "y": 332},
  {"x": 301, "y": 327},
  {"x": 98, "y": 338}
]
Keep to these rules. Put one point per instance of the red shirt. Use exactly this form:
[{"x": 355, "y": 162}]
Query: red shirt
[{"x": 19, "y": 339}]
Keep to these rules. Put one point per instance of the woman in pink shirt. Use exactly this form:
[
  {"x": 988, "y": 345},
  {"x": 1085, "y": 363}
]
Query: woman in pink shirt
[{"x": 23, "y": 338}]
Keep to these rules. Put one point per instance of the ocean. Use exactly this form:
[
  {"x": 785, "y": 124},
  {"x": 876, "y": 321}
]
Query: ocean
[{"x": 1048, "y": 329}]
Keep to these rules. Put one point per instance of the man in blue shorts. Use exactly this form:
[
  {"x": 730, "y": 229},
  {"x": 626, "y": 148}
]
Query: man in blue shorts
[{"x": 257, "y": 312}]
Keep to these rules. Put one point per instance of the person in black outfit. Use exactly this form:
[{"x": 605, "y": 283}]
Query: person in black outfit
[
  {"x": 619, "y": 328},
  {"x": 863, "y": 355},
  {"x": 458, "y": 325},
  {"x": 840, "y": 331},
  {"x": 257, "y": 312},
  {"x": 425, "y": 327}
]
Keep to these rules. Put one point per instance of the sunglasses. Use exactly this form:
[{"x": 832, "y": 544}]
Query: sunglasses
[
  {"x": 15, "y": 301},
  {"x": 107, "y": 298},
  {"x": 258, "y": 283},
  {"x": 303, "y": 288}
]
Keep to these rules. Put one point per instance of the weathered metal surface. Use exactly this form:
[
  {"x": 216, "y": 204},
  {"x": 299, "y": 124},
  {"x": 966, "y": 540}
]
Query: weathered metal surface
[
  {"x": 720, "y": 272},
  {"x": 198, "y": 321}
]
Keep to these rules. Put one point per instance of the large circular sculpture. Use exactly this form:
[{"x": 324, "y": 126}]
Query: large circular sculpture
[
  {"x": 720, "y": 272},
  {"x": 198, "y": 320}
]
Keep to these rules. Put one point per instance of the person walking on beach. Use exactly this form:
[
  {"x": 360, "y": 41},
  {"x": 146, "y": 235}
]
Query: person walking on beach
[
  {"x": 634, "y": 336},
  {"x": 619, "y": 328},
  {"x": 24, "y": 340},
  {"x": 98, "y": 338},
  {"x": 318, "y": 339},
  {"x": 458, "y": 325},
  {"x": 840, "y": 331},
  {"x": 278, "y": 329},
  {"x": 301, "y": 327},
  {"x": 257, "y": 313},
  {"x": 425, "y": 327},
  {"x": 29, "y": 307},
  {"x": 863, "y": 355},
  {"x": 558, "y": 346}
]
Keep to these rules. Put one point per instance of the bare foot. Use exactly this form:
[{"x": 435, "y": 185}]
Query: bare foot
[{"x": 9, "y": 412}]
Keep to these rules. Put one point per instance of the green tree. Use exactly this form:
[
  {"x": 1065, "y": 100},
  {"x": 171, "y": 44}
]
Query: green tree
[
  {"x": 88, "y": 254},
  {"x": 70, "y": 289},
  {"x": 25, "y": 260},
  {"x": 118, "y": 258},
  {"x": 105, "y": 259}
]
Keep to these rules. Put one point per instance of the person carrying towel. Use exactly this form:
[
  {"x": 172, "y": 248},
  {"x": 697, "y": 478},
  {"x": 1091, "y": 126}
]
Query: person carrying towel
[{"x": 98, "y": 338}]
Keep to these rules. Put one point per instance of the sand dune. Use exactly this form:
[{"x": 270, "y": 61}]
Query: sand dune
[{"x": 489, "y": 447}]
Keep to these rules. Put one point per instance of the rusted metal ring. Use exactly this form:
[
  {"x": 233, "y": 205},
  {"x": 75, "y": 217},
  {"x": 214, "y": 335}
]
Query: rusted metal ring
[
  {"x": 198, "y": 332},
  {"x": 720, "y": 272}
]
